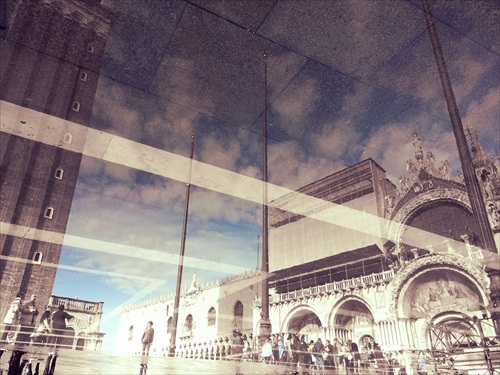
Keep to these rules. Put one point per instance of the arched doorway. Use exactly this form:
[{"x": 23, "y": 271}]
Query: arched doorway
[
  {"x": 353, "y": 320},
  {"x": 80, "y": 343},
  {"x": 305, "y": 324},
  {"x": 450, "y": 331}
]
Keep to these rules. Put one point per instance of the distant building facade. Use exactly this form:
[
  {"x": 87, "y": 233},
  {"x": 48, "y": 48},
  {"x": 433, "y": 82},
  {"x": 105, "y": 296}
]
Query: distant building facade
[
  {"x": 51, "y": 57},
  {"x": 83, "y": 330},
  {"x": 208, "y": 314},
  {"x": 353, "y": 257}
]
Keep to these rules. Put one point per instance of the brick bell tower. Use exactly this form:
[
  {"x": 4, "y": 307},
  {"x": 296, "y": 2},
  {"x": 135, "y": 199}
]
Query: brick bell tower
[{"x": 51, "y": 57}]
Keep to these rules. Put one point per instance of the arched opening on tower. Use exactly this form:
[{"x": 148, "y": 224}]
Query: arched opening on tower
[{"x": 80, "y": 343}]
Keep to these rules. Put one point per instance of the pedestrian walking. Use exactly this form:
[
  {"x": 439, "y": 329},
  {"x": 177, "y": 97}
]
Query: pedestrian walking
[
  {"x": 11, "y": 320},
  {"x": 27, "y": 317},
  {"x": 146, "y": 341},
  {"x": 41, "y": 335},
  {"x": 267, "y": 351},
  {"x": 318, "y": 354}
]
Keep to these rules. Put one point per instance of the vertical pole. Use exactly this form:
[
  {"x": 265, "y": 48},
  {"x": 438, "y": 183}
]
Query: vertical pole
[
  {"x": 180, "y": 267},
  {"x": 471, "y": 183},
  {"x": 486, "y": 350},
  {"x": 265, "y": 324},
  {"x": 258, "y": 251}
]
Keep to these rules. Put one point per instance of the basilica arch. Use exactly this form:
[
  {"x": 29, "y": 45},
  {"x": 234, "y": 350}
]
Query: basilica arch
[
  {"x": 304, "y": 321},
  {"x": 352, "y": 318},
  {"x": 451, "y": 330},
  {"x": 421, "y": 211},
  {"x": 435, "y": 289}
]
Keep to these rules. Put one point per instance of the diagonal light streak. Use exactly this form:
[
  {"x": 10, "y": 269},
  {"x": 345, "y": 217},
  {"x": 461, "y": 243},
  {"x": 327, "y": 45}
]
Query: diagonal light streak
[
  {"x": 115, "y": 249},
  {"x": 51, "y": 130}
]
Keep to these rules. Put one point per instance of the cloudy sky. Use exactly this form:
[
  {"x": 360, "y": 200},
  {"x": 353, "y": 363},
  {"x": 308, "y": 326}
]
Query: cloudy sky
[{"x": 346, "y": 81}]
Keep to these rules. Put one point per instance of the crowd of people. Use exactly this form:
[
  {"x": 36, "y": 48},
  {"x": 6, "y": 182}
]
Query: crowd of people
[
  {"x": 22, "y": 327},
  {"x": 312, "y": 356}
]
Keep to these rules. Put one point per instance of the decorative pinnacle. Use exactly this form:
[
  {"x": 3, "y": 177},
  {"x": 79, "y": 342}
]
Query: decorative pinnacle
[{"x": 417, "y": 144}]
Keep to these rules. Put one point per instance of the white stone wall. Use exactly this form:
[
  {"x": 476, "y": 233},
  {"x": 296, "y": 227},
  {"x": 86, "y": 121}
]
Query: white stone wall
[{"x": 222, "y": 297}]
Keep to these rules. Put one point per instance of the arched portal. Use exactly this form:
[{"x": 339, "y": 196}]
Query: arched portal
[
  {"x": 448, "y": 219},
  {"x": 451, "y": 331},
  {"x": 306, "y": 324},
  {"x": 353, "y": 320},
  {"x": 80, "y": 343}
]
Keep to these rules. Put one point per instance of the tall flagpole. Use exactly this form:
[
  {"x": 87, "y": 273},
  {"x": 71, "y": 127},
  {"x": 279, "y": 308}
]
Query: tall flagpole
[
  {"x": 175, "y": 316},
  {"x": 265, "y": 323},
  {"x": 471, "y": 183}
]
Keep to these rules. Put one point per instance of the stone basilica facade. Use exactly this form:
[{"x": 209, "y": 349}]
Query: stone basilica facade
[{"x": 353, "y": 257}]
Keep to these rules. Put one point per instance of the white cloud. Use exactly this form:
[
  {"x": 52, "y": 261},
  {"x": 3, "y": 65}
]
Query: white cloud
[
  {"x": 295, "y": 105},
  {"x": 219, "y": 151},
  {"x": 391, "y": 146},
  {"x": 291, "y": 167},
  {"x": 483, "y": 114}
]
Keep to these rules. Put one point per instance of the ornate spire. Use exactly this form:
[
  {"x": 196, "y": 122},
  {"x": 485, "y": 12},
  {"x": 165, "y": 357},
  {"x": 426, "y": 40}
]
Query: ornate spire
[
  {"x": 422, "y": 168},
  {"x": 480, "y": 157},
  {"x": 417, "y": 144}
]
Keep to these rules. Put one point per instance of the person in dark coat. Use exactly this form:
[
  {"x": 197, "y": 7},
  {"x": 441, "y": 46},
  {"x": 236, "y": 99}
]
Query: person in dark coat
[
  {"x": 59, "y": 324},
  {"x": 146, "y": 340},
  {"x": 353, "y": 356}
]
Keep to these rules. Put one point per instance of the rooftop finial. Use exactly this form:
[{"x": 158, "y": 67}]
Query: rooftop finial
[{"x": 417, "y": 144}]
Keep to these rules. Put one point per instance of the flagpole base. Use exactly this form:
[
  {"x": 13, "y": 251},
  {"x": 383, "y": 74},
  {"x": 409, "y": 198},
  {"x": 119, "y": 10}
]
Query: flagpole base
[{"x": 264, "y": 331}]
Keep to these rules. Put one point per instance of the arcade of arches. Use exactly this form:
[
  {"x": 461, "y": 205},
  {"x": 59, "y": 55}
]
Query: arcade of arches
[{"x": 351, "y": 319}]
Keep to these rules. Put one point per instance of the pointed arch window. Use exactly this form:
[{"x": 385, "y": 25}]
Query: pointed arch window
[
  {"x": 238, "y": 314},
  {"x": 169, "y": 325},
  {"x": 67, "y": 138},
  {"x": 131, "y": 333},
  {"x": 188, "y": 324},
  {"x": 238, "y": 309},
  {"x": 211, "y": 316}
]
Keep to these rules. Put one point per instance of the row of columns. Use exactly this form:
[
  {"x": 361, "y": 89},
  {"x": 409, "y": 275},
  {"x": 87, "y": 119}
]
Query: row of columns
[{"x": 397, "y": 334}]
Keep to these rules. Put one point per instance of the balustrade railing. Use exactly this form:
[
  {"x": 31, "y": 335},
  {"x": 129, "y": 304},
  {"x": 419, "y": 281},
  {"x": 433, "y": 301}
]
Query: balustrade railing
[
  {"x": 336, "y": 286},
  {"x": 74, "y": 304}
]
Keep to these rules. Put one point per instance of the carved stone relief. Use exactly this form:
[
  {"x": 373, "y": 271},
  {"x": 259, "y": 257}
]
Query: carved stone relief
[
  {"x": 439, "y": 289},
  {"x": 458, "y": 274}
]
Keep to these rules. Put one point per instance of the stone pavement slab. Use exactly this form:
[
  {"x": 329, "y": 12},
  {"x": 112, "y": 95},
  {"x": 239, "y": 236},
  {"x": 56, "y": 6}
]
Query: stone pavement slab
[{"x": 72, "y": 362}]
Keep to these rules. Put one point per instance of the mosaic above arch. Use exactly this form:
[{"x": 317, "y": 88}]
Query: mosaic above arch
[
  {"x": 456, "y": 275},
  {"x": 436, "y": 290}
]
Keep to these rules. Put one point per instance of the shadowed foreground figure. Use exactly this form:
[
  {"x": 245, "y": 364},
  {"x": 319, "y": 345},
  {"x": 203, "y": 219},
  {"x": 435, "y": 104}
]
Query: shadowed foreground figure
[{"x": 146, "y": 340}]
